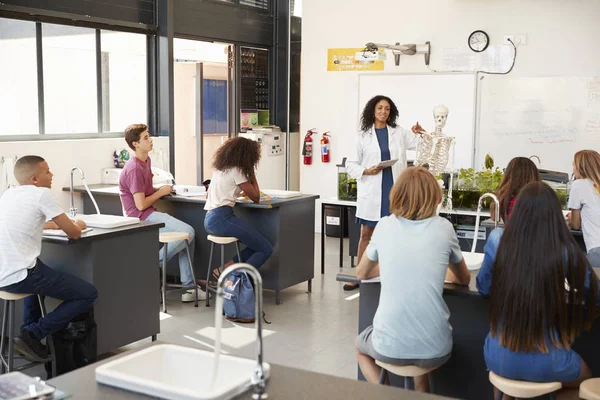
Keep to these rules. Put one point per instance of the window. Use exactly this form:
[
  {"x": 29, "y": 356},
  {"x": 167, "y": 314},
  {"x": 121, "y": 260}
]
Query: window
[
  {"x": 91, "y": 81},
  {"x": 214, "y": 109},
  {"x": 124, "y": 80},
  {"x": 18, "y": 78},
  {"x": 264, "y": 4},
  {"x": 70, "y": 97}
]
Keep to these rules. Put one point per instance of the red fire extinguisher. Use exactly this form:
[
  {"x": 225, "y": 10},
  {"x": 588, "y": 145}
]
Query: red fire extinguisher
[
  {"x": 325, "y": 151},
  {"x": 307, "y": 147}
]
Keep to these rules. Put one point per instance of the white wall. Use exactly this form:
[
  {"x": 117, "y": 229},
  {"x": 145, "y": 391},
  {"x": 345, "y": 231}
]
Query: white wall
[
  {"x": 91, "y": 155},
  {"x": 562, "y": 40}
]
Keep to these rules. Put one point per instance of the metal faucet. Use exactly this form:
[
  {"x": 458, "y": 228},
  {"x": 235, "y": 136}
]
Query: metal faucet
[
  {"x": 539, "y": 161},
  {"x": 73, "y": 209},
  {"x": 258, "y": 380},
  {"x": 496, "y": 216}
]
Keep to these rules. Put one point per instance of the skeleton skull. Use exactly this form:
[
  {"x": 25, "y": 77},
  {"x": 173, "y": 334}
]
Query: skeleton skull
[{"x": 440, "y": 115}]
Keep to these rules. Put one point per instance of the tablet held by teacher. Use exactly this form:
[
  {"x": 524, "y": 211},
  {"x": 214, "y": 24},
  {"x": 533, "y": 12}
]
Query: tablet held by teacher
[{"x": 378, "y": 157}]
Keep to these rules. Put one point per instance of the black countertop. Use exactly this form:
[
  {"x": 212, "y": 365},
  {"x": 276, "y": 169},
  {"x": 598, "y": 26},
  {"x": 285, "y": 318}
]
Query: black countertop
[
  {"x": 98, "y": 233},
  {"x": 100, "y": 189},
  {"x": 449, "y": 288},
  {"x": 284, "y": 383}
]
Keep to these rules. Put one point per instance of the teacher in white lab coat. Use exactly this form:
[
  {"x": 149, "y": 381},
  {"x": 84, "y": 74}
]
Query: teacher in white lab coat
[{"x": 380, "y": 139}]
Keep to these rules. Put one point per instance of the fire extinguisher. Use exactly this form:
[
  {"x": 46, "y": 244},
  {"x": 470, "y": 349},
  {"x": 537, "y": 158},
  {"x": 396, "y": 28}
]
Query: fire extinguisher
[
  {"x": 307, "y": 147},
  {"x": 325, "y": 151}
]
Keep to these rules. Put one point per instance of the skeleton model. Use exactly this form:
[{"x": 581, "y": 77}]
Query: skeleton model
[{"x": 434, "y": 148}]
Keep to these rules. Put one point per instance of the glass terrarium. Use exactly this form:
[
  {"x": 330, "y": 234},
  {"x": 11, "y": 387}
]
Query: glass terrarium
[
  {"x": 470, "y": 185},
  {"x": 347, "y": 188},
  {"x": 559, "y": 182}
]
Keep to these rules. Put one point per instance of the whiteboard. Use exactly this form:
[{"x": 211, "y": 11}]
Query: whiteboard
[
  {"x": 417, "y": 95},
  {"x": 550, "y": 117}
]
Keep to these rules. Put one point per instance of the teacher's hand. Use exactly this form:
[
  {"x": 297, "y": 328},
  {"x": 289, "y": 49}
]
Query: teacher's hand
[
  {"x": 374, "y": 170},
  {"x": 417, "y": 129}
]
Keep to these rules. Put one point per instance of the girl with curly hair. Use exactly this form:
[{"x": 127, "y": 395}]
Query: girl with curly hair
[{"x": 235, "y": 164}]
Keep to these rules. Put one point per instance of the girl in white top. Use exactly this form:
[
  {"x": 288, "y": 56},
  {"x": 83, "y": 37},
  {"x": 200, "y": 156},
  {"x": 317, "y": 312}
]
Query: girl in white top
[
  {"x": 380, "y": 139},
  {"x": 584, "y": 201},
  {"x": 235, "y": 163}
]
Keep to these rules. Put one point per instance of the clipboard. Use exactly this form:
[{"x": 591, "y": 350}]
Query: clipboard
[{"x": 388, "y": 163}]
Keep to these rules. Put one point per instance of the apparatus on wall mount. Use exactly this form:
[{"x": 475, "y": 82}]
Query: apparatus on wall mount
[{"x": 400, "y": 49}]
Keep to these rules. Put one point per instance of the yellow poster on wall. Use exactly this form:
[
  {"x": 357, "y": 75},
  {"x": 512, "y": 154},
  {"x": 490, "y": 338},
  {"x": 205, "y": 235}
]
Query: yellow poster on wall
[{"x": 340, "y": 60}]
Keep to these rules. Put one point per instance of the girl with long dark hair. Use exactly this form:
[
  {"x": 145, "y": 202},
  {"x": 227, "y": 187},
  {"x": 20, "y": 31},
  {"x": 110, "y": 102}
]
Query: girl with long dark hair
[
  {"x": 543, "y": 295},
  {"x": 519, "y": 172}
]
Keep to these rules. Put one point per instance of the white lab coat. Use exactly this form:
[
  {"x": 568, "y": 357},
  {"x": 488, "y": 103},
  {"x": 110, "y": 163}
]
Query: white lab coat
[{"x": 366, "y": 154}]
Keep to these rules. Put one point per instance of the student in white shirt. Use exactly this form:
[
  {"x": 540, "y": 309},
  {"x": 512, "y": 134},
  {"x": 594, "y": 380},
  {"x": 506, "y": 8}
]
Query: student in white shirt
[
  {"x": 235, "y": 163},
  {"x": 584, "y": 201},
  {"x": 24, "y": 211}
]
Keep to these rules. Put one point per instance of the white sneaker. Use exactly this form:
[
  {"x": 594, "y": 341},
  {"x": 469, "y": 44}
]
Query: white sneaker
[{"x": 189, "y": 297}]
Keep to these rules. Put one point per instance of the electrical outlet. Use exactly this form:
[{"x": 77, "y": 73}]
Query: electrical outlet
[{"x": 518, "y": 40}]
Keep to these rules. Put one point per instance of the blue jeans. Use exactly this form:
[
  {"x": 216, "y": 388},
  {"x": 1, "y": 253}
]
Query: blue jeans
[
  {"x": 77, "y": 296},
  {"x": 174, "y": 225},
  {"x": 222, "y": 222}
]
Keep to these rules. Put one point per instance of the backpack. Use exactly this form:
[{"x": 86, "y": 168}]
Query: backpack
[
  {"x": 75, "y": 345},
  {"x": 238, "y": 298}
]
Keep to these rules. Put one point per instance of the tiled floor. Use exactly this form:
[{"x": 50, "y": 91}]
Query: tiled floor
[{"x": 313, "y": 331}]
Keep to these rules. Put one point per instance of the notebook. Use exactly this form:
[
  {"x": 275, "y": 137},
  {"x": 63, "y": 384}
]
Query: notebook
[{"x": 60, "y": 232}]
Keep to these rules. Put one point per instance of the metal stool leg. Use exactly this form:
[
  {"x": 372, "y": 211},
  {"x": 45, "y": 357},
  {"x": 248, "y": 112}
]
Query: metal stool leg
[
  {"x": 2, "y": 338},
  {"x": 237, "y": 248},
  {"x": 49, "y": 339},
  {"x": 382, "y": 376},
  {"x": 187, "y": 249},
  {"x": 209, "y": 269},
  {"x": 11, "y": 334},
  {"x": 553, "y": 396},
  {"x": 222, "y": 257},
  {"x": 499, "y": 395},
  {"x": 164, "y": 277}
]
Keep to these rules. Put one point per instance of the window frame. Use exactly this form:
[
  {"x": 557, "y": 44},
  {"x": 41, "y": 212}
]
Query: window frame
[{"x": 42, "y": 135}]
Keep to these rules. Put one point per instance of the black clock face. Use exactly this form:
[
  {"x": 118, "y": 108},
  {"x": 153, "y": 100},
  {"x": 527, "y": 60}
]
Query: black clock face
[{"x": 479, "y": 41}]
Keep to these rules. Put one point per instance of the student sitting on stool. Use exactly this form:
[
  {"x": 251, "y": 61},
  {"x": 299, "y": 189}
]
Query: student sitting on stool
[
  {"x": 543, "y": 293},
  {"x": 24, "y": 211},
  {"x": 138, "y": 197},
  {"x": 413, "y": 247}
]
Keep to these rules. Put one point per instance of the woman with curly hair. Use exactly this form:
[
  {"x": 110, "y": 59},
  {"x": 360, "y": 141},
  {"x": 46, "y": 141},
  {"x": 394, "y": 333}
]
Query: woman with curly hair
[
  {"x": 380, "y": 139},
  {"x": 235, "y": 163}
]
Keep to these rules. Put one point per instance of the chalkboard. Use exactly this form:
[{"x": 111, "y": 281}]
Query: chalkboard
[
  {"x": 550, "y": 117},
  {"x": 416, "y": 95}
]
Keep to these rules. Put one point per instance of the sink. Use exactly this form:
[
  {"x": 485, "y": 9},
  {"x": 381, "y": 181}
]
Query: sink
[
  {"x": 176, "y": 372},
  {"x": 107, "y": 221},
  {"x": 473, "y": 260}
]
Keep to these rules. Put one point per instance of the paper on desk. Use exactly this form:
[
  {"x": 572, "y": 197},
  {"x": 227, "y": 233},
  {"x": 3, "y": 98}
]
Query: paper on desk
[
  {"x": 377, "y": 279},
  {"x": 60, "y": 232}
]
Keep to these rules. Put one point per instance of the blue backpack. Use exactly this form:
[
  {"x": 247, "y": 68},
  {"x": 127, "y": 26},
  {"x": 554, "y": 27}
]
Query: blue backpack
[{"x": 238, "y": 298}]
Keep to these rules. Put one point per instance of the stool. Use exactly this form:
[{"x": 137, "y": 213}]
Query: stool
[
  {"x": 590, "y": 389},
  {"x": 408, "y": 372},
  {"x": 223, "y": 241},
  {"x": 523, "y": 389},
  {"x": 166, "y": 238},
  {"x": 8, "y": 324}
]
